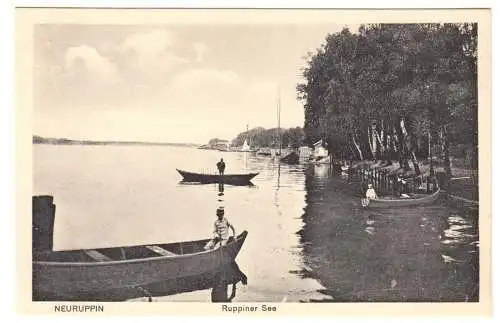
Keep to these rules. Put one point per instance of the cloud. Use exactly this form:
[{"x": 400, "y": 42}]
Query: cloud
[
  {"x": 86, "y": 59},
  {"x": 200, "y": 50},
  {"x": 151, "y": 52}
]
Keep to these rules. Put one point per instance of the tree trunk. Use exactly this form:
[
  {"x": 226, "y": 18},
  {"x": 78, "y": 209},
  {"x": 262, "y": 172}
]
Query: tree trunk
[
  {"x": 380, "y": 144},
  {"x": 410, "y": 148},
  {"x": 387, "y": 146},
  {"x": 395, "y": 143},
  {"x": 352, "y": 153},
  {"x": 415, "y": 163},
  {"x": 358, "y": 148},
  {"x": 370, "y": 141},
  {"x": 446, "y": 152},
  {"x": 403, "y": 159}
]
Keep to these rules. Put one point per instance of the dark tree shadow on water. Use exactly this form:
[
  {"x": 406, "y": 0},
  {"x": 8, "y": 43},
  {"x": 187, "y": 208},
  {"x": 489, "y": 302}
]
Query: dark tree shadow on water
[{"x": 419, "y": 254}]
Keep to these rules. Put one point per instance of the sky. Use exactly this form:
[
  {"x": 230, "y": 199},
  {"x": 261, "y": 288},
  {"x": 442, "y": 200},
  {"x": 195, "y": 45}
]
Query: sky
[{"x": 168, "y": 83}]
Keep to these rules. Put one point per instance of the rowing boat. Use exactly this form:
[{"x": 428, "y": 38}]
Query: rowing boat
[
  {"x": 413, "y": 200},
  {"x": 215, "y": 178},
  {"x": 96, "y": 270},
  {"x": 221, "y": 277}
]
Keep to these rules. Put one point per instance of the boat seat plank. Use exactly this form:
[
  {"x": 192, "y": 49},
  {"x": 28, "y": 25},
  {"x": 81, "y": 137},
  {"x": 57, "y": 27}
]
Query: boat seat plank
[
  {"x": 161, "y": 251},
  {"x": 97, "y": 256}
]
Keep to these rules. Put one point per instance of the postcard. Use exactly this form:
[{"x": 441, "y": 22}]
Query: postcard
[{"x": 260, "y": 162}]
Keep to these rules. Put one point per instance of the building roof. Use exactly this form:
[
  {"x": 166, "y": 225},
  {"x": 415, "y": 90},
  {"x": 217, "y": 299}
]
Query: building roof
[{"x": 318, "y": 143}]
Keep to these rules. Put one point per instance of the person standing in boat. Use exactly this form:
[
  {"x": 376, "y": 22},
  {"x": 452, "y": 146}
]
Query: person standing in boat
[
  {"x": 221, "y": 231},
  {"x": 221, "y": 166}
]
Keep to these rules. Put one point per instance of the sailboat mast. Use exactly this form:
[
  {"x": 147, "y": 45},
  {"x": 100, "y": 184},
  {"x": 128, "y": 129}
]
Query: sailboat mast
[
  {"x": 279, "y": 117},
  {"x": 248, "y": 137}
]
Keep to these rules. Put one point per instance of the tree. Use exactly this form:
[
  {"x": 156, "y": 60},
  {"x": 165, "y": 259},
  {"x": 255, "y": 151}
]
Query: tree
[{"x": 382, "y": 93}]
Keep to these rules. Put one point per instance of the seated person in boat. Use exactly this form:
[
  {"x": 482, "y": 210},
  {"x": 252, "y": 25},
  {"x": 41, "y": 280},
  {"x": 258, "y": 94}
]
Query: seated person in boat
[
  {"x": 221, "y": 166},
  {"x": 402, "y": 187},
  {"x": 370, "y": 193},
  {"x": 398, "y": 185},
  {"x": 221, "y": 231}
]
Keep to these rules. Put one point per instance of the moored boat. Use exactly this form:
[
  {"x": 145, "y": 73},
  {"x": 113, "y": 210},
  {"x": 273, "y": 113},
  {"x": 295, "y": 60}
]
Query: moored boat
[
  {"x": 291, "y": 159},
  {"x": 321, "y": 160},
  {"x": 216, "y": 178},
  {"x": 264, "y": 152},
  {"x": 95, "y": 270},
  {"x": 413, "y": 200},
  {"x": 70, "y": 272}
]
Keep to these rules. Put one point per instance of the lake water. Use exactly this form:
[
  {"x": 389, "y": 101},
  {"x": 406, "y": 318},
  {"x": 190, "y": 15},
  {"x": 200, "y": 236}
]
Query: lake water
[{"x": 309, "y": 239}]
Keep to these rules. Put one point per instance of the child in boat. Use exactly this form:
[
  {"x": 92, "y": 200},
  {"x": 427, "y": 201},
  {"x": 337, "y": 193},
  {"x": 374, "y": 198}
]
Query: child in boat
[
  {"x": 221, "y": 231},
  {"x": 370, "y": 193},
  {"x": 221, "y": 166}
]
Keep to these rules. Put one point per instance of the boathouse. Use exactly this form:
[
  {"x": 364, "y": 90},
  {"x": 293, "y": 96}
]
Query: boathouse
[{"x": 319, "y": 149}]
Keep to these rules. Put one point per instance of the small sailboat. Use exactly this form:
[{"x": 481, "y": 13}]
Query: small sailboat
[{"x": 245, "y": 147}]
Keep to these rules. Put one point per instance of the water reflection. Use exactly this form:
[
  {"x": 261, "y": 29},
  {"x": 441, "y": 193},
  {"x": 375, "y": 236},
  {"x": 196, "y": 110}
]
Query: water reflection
[
  {"x": 321, "y": 174},
  {"x": 370, "y": 225},
  {"x": 185, "y": 183},
  {"x": 221, "y": 190},
  {"x": 323, "y": 246},
  {"x": 222, "y": 283},
  {"x": 459, "y": 231},
  {"x": 406, "y": 254}
]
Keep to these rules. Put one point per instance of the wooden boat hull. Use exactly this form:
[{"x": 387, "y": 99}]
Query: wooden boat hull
[
  {"x": 221, "y": 277},
  {"x": 402, "y": 202},
  {"x": 213, "y": 178},
  {"x": 291, "y": 159},
  {"x": 66, "y": 278},
  {"x": 321, "y": 161}
]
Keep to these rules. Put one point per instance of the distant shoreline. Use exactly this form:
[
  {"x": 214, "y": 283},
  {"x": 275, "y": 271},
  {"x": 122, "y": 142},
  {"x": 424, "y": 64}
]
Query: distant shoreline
[{"x": 71, "y": 142}]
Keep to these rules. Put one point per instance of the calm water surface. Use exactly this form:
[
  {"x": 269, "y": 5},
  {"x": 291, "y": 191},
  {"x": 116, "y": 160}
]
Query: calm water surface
[{"x": 308, "y": 240}]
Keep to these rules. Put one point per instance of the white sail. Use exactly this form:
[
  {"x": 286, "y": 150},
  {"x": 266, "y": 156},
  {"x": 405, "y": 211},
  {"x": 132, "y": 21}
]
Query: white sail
[{"x": 245, "y": 147}]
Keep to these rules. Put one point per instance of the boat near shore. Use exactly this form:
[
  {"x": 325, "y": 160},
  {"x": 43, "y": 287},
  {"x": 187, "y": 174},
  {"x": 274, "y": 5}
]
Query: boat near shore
[
  {"x": 412, "y": 200},
  {"x": 216, "y": 178},
  {"x": 95, "y": 270}
]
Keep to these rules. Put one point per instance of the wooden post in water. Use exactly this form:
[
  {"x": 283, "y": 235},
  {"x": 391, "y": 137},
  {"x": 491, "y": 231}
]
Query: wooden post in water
[{"x": 43, "y": 217}]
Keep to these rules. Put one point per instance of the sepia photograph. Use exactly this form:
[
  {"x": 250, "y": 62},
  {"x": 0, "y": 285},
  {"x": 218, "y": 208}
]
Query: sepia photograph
[{"x": 220, "y": 159}]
